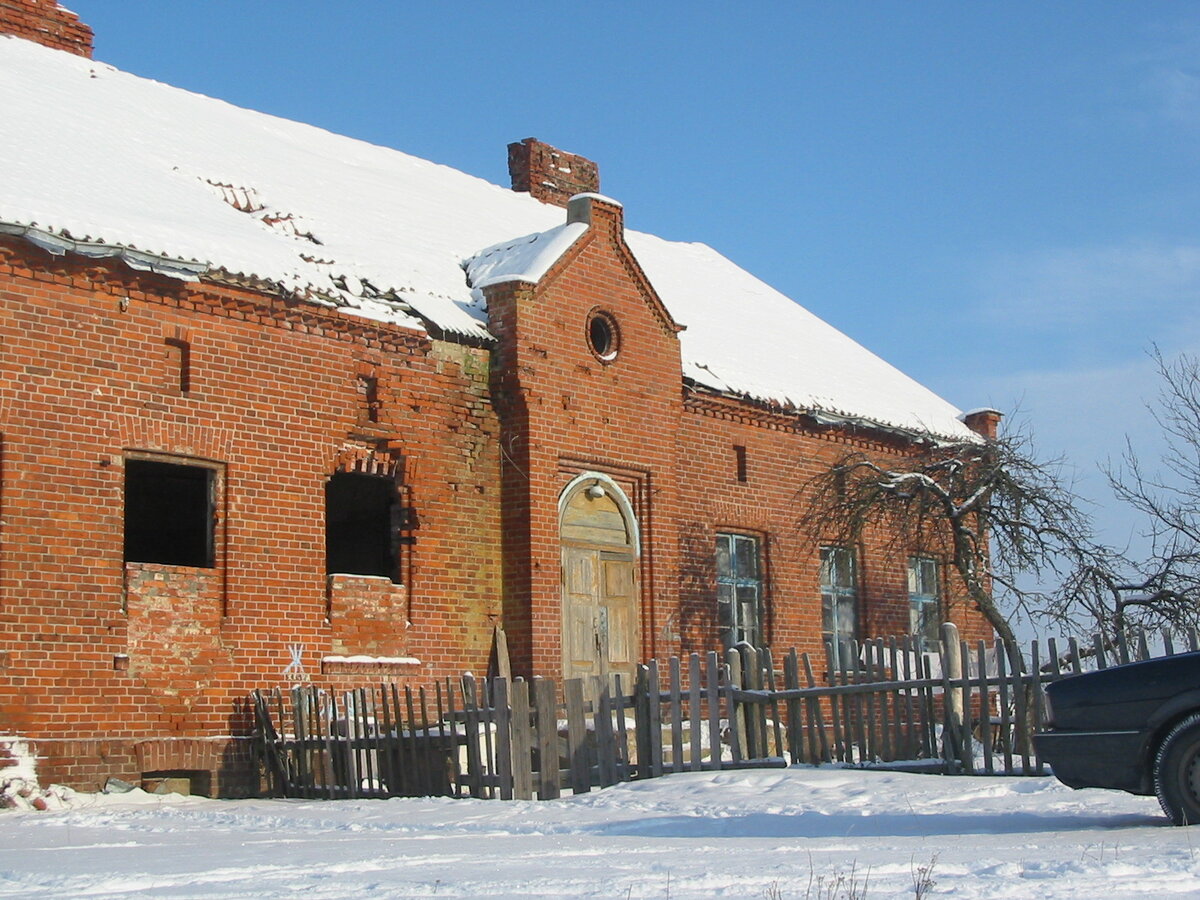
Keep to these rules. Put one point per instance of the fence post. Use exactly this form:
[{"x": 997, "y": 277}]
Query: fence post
[
  {"x": 965, "y": 747},
  {"x": 952, "y": 698}
]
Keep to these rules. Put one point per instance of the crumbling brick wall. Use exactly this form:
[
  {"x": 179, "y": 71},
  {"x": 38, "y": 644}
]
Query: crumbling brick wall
[{"x": 100, "y": 656}]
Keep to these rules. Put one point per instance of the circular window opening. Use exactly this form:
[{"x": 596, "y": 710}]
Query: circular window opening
[{"x": 603, "y": 337}]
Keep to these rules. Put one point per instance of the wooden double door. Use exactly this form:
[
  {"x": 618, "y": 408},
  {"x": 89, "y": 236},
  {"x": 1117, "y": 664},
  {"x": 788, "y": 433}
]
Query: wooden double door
[{"x": 599, "y": 585}]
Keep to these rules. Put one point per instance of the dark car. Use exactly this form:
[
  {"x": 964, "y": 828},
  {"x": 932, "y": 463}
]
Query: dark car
[{"x": 1134, "y": 728}]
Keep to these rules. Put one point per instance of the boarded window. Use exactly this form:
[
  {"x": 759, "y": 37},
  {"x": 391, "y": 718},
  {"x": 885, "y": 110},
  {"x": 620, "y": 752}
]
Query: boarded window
[
  {"x": 362, "y": 525},
  {"x": 169, "y": 513}
]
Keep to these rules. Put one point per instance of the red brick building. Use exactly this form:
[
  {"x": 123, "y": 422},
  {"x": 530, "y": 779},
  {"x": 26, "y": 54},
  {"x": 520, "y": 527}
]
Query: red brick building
[{"x": 278, "y": 405}]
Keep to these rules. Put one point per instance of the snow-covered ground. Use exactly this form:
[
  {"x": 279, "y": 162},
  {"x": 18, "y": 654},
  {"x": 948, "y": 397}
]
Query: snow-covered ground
[{"x": 795, "y": 833}]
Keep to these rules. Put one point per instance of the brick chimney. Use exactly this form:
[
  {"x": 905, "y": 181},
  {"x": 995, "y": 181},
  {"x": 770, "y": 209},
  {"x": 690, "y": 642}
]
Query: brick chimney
[
  {"x": 550, "y": 175},
  {"x": 45, "y": 22},
  {"x": 984, "y": 422}
]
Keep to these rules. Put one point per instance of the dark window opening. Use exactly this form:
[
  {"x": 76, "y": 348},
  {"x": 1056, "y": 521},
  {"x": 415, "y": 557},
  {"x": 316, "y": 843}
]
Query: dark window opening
[
  {"x": 363, "y": 518},
  {"x": 739, "y": 454},
  {"x": 169, "y": 513}
]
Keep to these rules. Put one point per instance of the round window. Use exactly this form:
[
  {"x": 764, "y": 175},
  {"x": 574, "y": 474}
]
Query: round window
[{"x": 602, "y": 335}]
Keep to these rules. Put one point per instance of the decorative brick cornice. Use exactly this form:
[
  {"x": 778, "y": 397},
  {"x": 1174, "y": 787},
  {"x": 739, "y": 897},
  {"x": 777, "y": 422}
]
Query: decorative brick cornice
[
  {"x": 762, "y": 415},
  {"x": 256, "y": 302}
]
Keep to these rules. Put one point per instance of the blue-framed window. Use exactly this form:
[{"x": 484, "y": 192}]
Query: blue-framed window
[
  {"x": 740, "y": 588},
  {"x": 924, "y": 601},
  {"x": 839, "y": 602}
]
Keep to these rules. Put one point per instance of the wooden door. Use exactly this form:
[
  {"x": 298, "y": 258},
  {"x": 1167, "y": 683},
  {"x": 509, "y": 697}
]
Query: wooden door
[{"x": 599, "y": 589}]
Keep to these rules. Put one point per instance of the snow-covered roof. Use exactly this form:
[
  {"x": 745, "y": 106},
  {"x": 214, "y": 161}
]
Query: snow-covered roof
[
  {"x": 102, "y": 162},
  {"x": 526, "y": 258}
]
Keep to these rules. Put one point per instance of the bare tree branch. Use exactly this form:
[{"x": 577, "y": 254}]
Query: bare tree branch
[
  {"x": 1166, "y": 586},
  {"x": 1003, "y": 519}
]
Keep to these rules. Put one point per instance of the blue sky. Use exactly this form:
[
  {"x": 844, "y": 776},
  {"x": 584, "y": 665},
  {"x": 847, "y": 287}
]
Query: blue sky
[{"x": 1000, "y": 199}]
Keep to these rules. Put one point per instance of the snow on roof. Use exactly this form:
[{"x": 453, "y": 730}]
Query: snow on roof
[
  {"x": 527, "y": 258},
  {"x": 102, "y": 162}
]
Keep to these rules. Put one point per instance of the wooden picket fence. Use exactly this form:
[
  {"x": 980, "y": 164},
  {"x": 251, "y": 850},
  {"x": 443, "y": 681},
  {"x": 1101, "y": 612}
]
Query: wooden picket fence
[{"x": 958, "y": 709}]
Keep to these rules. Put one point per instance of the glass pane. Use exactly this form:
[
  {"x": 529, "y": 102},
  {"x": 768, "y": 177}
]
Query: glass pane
[
  {"x": 747, "y": 557},
  {"x": 725, "y": 612},
  {"x": 724, "y": 569},
  {"x": 846, "y": 616},
  {"x": 841, "y": 568},
  {"x": 929, "y": 583},
  {"x": 837, "y": 567},
  {"x": 930, "y": 624}
]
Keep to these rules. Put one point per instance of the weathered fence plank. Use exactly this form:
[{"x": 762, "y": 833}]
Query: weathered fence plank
[
  {"x": 580, "y": 765},
  {"x": 546, "y": 709},
  {"x": 504, "y": 737},
  {"x": 522, "y": 741},
  {"x": 675, "y": 704}
]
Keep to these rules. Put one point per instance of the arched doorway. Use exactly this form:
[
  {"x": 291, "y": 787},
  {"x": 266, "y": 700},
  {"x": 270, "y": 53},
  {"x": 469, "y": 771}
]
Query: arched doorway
[{"x": 599, "y": 578}]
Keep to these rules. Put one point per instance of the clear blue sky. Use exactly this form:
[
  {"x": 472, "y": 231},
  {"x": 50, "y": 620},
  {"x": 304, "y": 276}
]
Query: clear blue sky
[{"x": 999, "y": 198}]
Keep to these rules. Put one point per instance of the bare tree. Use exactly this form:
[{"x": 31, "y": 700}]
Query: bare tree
[
  {"x": 1007, "y": 523},
  {"x": 1166, "y": 587}
]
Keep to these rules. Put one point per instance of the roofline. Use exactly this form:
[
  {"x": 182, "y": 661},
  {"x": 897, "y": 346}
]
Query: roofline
[
  {"x": 58, "y": 245},
  {"x": 828, "y": 418}
]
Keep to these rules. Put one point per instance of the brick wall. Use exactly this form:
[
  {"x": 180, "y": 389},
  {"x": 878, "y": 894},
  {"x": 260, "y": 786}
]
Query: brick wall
[
  {"x": 115, "y": 668},
  {"x": 45, "y": 22},
  {"x": 782, "y": 453},
  {"x": 566, "y": 411},
  {"x": 115, "y": 655},
  {"x": 673, "y": 451},
  {"x": 357, "y": 606}
]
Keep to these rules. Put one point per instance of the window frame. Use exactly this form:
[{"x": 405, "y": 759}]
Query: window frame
[
  {"x": 921, "y": 602},
  {"x": 834, "y": 597},
  {"x": 730, "y": 613}
]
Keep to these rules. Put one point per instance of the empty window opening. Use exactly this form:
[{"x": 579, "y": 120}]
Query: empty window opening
[
  {"x": 839, "y": 603},
  {"x": 169, "y": 513},
  {"x": 739, "y": 589},
  {"x": 363, "y": 520},
  {"x": 739, "y": 455},
  {"x": 368, "y": 397},
  {"x": 179, "y": 365}
]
